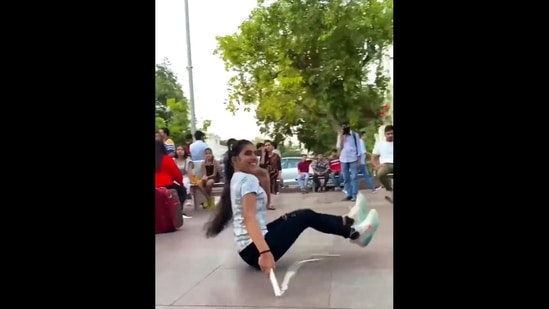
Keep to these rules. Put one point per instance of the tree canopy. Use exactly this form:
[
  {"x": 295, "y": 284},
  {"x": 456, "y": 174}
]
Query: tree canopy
[
  {"x": 305, "y": 66},
  {"x": 171, "y": 106}
]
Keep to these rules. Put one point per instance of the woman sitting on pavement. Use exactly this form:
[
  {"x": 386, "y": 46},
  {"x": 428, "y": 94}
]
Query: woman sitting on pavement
[{"x": 260, "y": 244}]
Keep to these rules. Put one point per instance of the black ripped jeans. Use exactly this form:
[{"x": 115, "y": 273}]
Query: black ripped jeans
[{"x": 284, "y": 231}]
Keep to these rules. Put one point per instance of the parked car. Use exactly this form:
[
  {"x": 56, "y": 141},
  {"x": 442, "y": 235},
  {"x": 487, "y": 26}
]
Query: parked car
[{"x": 289, "y": 170}]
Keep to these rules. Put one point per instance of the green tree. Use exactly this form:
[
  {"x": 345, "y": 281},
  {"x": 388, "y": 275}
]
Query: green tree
[
  {"x": 305, "y": 65},
  {"x": 205, "y": 125},
  {"x": 289, "y": 150},
  {"x": 171, "y": 106}
]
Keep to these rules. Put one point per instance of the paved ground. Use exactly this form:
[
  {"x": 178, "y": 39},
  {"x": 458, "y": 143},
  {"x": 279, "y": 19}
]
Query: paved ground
[{"x": 193, "y": 272}]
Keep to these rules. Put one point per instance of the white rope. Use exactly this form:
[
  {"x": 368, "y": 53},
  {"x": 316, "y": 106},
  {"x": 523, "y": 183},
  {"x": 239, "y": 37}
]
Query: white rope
[{"x": 290, "y": 273}]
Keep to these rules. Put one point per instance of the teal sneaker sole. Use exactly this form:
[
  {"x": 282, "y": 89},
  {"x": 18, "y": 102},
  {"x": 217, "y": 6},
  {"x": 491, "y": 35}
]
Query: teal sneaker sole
[
  {"x": 373, "y": 220},
  {"x": 362, "y": 208}
]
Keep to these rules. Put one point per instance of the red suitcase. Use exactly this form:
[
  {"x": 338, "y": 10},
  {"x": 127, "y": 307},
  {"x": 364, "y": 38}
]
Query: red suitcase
[{"x": 168, "y": 213}]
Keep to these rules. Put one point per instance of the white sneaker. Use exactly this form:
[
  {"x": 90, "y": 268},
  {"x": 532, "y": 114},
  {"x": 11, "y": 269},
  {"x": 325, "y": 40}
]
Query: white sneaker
[
  {"x": 359, "y": 211},
  {"x": 366, "y": 229}
]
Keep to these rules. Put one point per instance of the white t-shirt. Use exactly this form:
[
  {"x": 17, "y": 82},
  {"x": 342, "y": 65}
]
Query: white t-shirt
[
  {"x": 385, "y": 151},
  {"x": 242, "y": 184}
]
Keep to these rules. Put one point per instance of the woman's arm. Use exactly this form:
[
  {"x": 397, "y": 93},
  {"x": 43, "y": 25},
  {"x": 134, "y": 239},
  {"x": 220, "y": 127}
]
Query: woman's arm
[
  {"x": 190, "y": 168},
  {"x": 250, "y": 222},
  {"x": 203, "y": 169},
  {"x": 173, "y": 170},
  {"x": 262, "y": 160}
]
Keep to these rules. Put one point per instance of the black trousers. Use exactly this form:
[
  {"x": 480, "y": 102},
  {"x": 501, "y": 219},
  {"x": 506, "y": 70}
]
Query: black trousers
[
  {"x": 317, "y": 181},
  {"x": 284, "y": 231},
  {"x": 181, "y": 192}
]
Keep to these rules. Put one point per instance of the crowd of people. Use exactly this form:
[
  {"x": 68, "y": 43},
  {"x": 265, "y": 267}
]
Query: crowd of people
[
  {"x": 245, "y": 200},
  {"x": 348, "y": 161},
  {"x": 175, "y": 168},
  {"x": 251, "y": 173}
]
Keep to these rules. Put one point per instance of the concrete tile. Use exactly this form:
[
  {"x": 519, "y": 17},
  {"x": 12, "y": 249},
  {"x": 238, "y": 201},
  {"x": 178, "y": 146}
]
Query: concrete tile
[
  {"x": 226, "y": 307},
  {"x": 242, "y": 288},
  {"x": 195, "y": 272},
  {"x": 361, "y": 288}
]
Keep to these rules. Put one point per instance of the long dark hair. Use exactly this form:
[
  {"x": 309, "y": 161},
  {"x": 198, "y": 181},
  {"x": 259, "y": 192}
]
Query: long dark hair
[
  {"x": 160, "y": 152},
  {"x": 224, "y": 212},
  {"x": 210, "y": 150},
  {"x": 185, "y": 154}
]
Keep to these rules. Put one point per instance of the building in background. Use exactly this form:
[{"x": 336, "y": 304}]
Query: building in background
[{"x": 214, "y": 141}]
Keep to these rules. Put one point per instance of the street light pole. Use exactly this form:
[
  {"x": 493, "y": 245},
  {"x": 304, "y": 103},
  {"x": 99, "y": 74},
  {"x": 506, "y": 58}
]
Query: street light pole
[
  {"x": 190, "y": 67},
  {"x": 392, "y": 85}
]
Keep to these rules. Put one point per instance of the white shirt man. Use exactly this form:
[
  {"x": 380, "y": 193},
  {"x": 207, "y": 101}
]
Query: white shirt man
[
  {"x": 382, "y": 160},
  {"x": 198, "y": 147},
  {"x": 384, "y": 150}
]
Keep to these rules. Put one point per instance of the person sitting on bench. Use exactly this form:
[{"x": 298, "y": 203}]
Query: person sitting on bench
[
  {"x": 210, "y": 176},
  {"x": 382, "y": 160},
  {"x": 335, "y": 168},
  {"x": 321, "y": 168},
  {"x": 303, "y": 174},
  {"x": 167, "y": 174}
]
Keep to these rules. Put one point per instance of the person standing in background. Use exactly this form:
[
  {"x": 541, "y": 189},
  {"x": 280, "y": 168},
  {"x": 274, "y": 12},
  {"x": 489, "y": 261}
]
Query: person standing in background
[
  {"x": 198, "y": 147},
  {"x": 271, "y": 162},
  {"x": 350, "y": 158},
  {"x": 280, "y": 180},
  {"x": 188, "y": 142},
  {"x": 157, "y": 136},
  {"x": 168, "y": 143},
  {"x": 364, "y": 170}
]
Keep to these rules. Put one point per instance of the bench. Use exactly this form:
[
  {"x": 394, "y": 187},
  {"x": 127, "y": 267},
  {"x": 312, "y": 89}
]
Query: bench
[
  {"x": 330, "y": 184},
  {"x": 198, "y": 197}
]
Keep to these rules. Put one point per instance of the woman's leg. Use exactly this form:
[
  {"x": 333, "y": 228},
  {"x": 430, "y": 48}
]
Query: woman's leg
[
  {"x": 187, "y": 183},
  {"x": 284, "y": 231},
  {"x": 209, "y": 187},
  {"x": 181, "y": 192},
  {"x": 274, "y": 184}
]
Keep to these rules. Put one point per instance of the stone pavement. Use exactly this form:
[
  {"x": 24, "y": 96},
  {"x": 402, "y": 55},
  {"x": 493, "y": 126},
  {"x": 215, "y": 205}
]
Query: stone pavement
[{"x": 193, "y": 272}]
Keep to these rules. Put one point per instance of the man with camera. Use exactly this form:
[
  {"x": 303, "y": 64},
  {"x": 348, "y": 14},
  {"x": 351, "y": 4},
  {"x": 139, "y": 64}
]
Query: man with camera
[{"x": 348, "y": 144}]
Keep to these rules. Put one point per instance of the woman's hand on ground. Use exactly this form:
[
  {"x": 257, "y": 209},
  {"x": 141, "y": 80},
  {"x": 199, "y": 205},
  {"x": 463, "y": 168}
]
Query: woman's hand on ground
[{"x": 266, "y": 262}]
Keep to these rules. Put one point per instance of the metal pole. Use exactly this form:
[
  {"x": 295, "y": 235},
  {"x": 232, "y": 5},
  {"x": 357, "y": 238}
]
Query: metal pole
[
  {"x": 190, "y": 67},
  {"x": 392, "y": 86}
]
